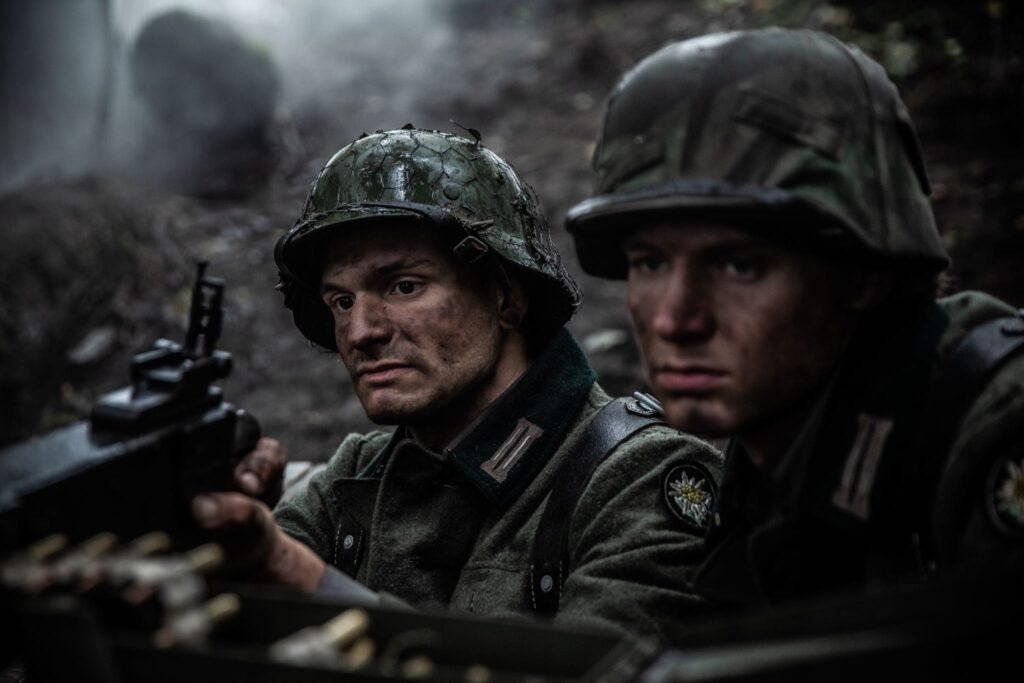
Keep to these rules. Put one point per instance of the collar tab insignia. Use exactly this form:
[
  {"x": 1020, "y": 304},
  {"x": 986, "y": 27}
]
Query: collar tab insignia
[
  {"x": 855, "y": 489},
  {"x": 510, "y": 452}
]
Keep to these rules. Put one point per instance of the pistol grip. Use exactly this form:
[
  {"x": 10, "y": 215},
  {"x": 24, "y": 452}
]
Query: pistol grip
[{"x": 247, "y": 433}]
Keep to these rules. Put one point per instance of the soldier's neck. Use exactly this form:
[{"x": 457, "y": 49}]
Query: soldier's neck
[
  {"x": 441, "y": 429},
  {"x": 766, "y": 448},
  {"x": 768, "y": 444}
]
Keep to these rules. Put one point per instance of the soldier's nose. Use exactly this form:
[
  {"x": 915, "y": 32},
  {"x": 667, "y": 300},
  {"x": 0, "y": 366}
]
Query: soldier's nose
[
  {"x": 682, "y": 310},
  {"x": 368, "y": 323}
]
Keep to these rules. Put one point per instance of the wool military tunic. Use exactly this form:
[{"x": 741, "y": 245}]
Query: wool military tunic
[
  {"x": 879, "y": 484},
  {"x": 454, "y": 529}
]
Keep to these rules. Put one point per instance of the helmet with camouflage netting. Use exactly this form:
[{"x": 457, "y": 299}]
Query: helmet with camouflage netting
[
  {"x": 441, "y": 181},
  {"x": 791, "y": 133}
]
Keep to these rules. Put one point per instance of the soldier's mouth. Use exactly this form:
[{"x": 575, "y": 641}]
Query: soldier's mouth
[
  {"x": 382, "y": 371},
  {"x": 688, "y": 378}
]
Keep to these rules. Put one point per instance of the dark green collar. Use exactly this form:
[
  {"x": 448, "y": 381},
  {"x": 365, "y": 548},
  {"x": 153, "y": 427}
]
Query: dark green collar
[
  {"x": 505, "y": 448},
  {"x": 886, "y": 379}
]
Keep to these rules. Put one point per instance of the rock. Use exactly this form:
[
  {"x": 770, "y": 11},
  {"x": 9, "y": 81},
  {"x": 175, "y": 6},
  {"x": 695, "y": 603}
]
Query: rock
[
  {"x": 200, "y": 75},
  {"x": 94, "y": 347},
  {"x": 604, "y": 340},
  {"x": 213, "y": 95}
]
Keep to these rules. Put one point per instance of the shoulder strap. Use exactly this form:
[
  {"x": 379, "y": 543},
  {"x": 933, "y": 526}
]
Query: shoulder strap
[
  {"x": 960, "y": 379},
  {"x": 609, "y": 427},
  {"x": 968, "y": 368}
]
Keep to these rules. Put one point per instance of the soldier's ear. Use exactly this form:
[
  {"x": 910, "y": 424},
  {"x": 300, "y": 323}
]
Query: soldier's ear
[
  {"x": 512, "y": 305},
  {"x": 870, "y": 288},
  {"x": 511, "y": 298}
]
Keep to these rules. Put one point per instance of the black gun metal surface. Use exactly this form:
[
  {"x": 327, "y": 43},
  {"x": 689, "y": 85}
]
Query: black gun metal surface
[{"x": 146, "y": 450}]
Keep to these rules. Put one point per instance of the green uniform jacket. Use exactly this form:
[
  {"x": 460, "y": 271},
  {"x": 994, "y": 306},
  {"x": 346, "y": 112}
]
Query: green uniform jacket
[
  {"x": 454, "y": 530},
  {"x": 865, "y": 493}
]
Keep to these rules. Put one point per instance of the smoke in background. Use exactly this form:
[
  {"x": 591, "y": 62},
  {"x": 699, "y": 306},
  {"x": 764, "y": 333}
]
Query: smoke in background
[
  {"x": 53, "y": 87},
  {"x": 71, "y": 95}
]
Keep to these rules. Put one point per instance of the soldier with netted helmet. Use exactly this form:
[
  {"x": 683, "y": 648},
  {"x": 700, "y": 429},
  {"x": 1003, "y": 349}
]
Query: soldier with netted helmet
[
  {"x": 512, "y": 484},
  {"x": 764, "y": 195}
]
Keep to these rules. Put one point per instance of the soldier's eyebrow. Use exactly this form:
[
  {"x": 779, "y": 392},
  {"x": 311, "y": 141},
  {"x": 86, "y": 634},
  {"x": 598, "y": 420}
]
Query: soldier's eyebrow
[
  {"x": 383, "y": 270},
  {"x": 738, "y": 244},
  {"x": 637, "y": 242},
  {"x": 714, "y": 243},
  {"x": 328, "y": 288},
  {"x": 401, "y": 264},
  {"x": 633, "y": 242}
]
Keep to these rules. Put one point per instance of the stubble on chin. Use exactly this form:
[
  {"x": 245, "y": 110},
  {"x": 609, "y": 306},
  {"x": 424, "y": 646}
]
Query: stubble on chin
[
  {"x": 695, "y": 416},
  {"x": 399, "y": 410}
]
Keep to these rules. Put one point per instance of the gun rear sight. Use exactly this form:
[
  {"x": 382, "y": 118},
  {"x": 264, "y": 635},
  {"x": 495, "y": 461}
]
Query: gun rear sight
[
  {"x": 205, "y": 315},
  {"x": 170, "y": 379}
]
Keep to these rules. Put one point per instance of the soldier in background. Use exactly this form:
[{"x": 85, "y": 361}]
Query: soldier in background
[
  {"x": 764, "y": 196},
  {"x": 511, "y": 485}
]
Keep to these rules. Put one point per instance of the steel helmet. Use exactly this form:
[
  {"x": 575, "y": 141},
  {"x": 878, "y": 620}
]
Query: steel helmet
[
  {"x": 443, "y": 181},
  {"x": 789, "y": 132}
]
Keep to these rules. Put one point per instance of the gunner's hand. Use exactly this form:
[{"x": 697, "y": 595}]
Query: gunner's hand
[
  {"x": 254, "y": 543},
  {"x": 260, "y": 474}
]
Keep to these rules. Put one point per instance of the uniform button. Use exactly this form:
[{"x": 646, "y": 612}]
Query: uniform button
[
  {"x": 546, "y": 583},
  {"x": 348, "y": 542},
  {"x": 1013, "y": 327}
]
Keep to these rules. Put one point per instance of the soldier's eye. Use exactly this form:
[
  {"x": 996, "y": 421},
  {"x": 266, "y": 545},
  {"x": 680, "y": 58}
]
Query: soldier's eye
[
  {"x": 742, "y": 268},
  {"x": 343, "y": 302},
  {"x": 406, "y": 287},
  {"x": 642, "y": 262}
]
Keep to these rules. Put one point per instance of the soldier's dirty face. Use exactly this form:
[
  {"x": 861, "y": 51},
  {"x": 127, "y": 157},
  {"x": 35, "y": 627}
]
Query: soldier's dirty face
[
  {"x": 735, "y": 331},
  {"x": 415, "y": 327}
]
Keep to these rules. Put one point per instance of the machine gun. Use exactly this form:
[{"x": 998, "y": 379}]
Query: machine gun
[{"x": 145, "y": 451}]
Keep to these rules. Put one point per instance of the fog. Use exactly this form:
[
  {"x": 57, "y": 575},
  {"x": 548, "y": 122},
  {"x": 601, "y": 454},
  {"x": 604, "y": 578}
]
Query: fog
[
  {"x": 71, "y": 102},
  {"x": 321, "y": 44}
]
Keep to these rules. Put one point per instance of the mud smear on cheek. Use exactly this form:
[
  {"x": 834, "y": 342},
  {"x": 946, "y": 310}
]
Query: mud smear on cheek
[{"x": 448, "y": 333}]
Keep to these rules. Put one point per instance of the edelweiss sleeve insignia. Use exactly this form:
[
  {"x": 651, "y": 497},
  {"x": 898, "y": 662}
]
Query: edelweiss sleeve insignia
[
  {"x": 689, "y": 493},
  {"x": 1005, "y": 496}
]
